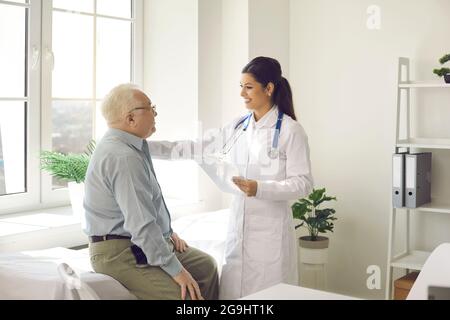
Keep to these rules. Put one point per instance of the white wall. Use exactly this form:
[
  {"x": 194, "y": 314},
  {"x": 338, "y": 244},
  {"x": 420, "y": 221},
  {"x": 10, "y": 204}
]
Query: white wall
[
  {"x": 250, "y": 28},
  {"x": 269, "y": 31},
  {"x": 235, "y": 53},
  {"x": 210, "y": 86},
  {"x": 344, "y": 83},
  {"x": 194, "y": 51},
  {"x": 171, "y": 81}
]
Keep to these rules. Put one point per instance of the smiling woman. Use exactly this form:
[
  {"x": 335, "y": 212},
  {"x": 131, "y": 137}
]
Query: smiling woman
[{"x": 272, "y": 155}]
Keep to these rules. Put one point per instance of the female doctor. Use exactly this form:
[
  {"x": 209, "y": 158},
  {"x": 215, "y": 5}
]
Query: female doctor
[
  {"x": 270, "y": 149},
  {"x": 273, "y": 155}
]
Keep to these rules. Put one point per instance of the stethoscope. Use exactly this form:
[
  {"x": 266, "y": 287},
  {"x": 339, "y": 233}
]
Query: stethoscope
[{"x": 273, "y": 152}]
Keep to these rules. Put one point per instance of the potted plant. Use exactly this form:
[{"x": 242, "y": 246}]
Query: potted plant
[
  {"x": 445, "y": 72},
  {"x": 313, "y": 248},
  {"x": 71, "y": 168}
]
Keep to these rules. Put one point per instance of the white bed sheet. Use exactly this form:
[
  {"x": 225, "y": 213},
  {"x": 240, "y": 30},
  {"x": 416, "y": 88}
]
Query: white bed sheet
[
  {"x": 205, "y": 231},
  {"x": 33, "y": 275},
  {"x": 435, "y": 272}
]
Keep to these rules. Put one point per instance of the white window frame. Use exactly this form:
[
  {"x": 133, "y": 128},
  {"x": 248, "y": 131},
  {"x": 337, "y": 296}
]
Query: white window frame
[
  {"x": 31, "y": 197},
  {"x": 39, "y": 193}
]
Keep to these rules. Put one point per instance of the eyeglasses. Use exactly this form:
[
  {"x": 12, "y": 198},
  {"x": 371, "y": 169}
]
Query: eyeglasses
[{"x": 152, "y": 108}]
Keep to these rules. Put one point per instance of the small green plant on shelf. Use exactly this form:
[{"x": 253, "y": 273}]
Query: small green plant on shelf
[
  {"x": 67, "y": 167},
  {"x": 443, "y": 72},
  {"x": 314, "y": 219}
]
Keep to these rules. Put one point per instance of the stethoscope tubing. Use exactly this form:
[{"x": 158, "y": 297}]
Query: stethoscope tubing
[{"x": 245, "y": 121}]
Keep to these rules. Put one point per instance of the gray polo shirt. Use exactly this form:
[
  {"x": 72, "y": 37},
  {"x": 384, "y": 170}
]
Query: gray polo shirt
[{"x": 123, "y": 197}]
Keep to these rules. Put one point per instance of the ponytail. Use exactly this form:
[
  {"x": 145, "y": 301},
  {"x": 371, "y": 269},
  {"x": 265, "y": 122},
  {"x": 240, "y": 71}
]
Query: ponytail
[{"x": 283, "y": 98}]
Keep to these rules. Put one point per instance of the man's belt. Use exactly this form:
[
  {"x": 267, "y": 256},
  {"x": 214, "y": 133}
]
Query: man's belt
[{"x": 107, "y": 237}]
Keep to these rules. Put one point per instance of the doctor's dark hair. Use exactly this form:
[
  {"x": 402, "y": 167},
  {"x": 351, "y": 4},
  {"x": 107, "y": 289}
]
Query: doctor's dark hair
[{"x": 265, "y": 70}]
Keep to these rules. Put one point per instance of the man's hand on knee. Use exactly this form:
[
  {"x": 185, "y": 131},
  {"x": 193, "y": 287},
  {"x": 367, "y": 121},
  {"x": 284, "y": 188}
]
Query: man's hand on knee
[
  {"x": 186, "y": 282},
  {"x": 179, "y": 244}
]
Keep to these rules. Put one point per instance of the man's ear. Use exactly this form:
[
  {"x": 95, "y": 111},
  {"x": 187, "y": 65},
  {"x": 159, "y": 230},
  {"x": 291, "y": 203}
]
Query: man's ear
[{"x": 129, "y": 119}]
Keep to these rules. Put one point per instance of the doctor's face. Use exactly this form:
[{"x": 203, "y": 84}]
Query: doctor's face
[{"x": 255, "y": 95}]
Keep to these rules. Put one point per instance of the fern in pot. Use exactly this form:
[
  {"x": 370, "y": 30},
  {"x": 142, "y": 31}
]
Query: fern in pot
[
  {"x": 317, "y": 220},
  {"x": 70, "y": 168}
]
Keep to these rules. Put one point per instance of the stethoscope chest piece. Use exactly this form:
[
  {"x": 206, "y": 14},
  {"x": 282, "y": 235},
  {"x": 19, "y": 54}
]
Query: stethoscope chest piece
[{"x": 273, "y": 153}]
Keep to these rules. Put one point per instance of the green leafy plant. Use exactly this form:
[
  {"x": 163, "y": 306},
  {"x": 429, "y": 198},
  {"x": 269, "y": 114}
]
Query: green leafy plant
[
  {"x": 67, "y": 167},
  {"x": 314, "y": 219},
  {"x": 443, "y": 71}
]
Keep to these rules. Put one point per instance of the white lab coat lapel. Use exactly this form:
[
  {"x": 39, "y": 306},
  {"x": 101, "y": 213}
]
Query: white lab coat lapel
[{"x": 260, "y": 166}]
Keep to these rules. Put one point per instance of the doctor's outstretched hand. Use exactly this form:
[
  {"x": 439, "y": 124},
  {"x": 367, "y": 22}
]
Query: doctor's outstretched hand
[{"x": 249, "y": 187}]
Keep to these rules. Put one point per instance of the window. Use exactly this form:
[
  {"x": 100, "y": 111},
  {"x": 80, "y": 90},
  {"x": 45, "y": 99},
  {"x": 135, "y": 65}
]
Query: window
[
  {"x": 18, "y": 63},
  {"x": 60, "y": 58},
  {"x": 13, "y": 95}
]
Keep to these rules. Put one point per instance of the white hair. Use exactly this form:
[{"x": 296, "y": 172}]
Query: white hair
[{"x": 118, "y": 101}]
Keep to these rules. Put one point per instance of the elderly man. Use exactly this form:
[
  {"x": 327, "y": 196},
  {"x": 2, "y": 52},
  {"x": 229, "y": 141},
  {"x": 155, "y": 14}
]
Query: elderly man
[{"x": 127, "y": 220}]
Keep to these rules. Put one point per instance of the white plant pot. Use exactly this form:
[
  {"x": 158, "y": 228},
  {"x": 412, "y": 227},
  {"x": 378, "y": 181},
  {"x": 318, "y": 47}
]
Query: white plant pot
[
  {"x": 313, "y": 252},
  {"x": 313, "y": 256},
  {"x": 76, "y": 193}
]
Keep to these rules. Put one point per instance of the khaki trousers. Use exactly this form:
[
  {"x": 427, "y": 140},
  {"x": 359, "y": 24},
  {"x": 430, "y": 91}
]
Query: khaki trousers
[{"x": 115, "y": 258}]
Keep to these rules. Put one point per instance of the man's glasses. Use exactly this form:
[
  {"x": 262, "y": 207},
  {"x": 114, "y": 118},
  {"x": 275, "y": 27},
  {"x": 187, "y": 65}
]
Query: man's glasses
[{"x": 152, "y": 108}]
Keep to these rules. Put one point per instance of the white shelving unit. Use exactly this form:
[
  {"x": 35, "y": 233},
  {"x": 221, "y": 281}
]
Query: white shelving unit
[
  {"x": 424, "y": 143},
  {"x": 422, "y": 84},
  {"x": 411, "y": 259},
  {"x": 414, "y": 260}
]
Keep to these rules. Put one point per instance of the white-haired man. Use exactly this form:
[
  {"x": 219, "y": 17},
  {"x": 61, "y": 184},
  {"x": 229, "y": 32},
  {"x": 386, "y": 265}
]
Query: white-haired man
[{"x": 127, "y": 220}]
